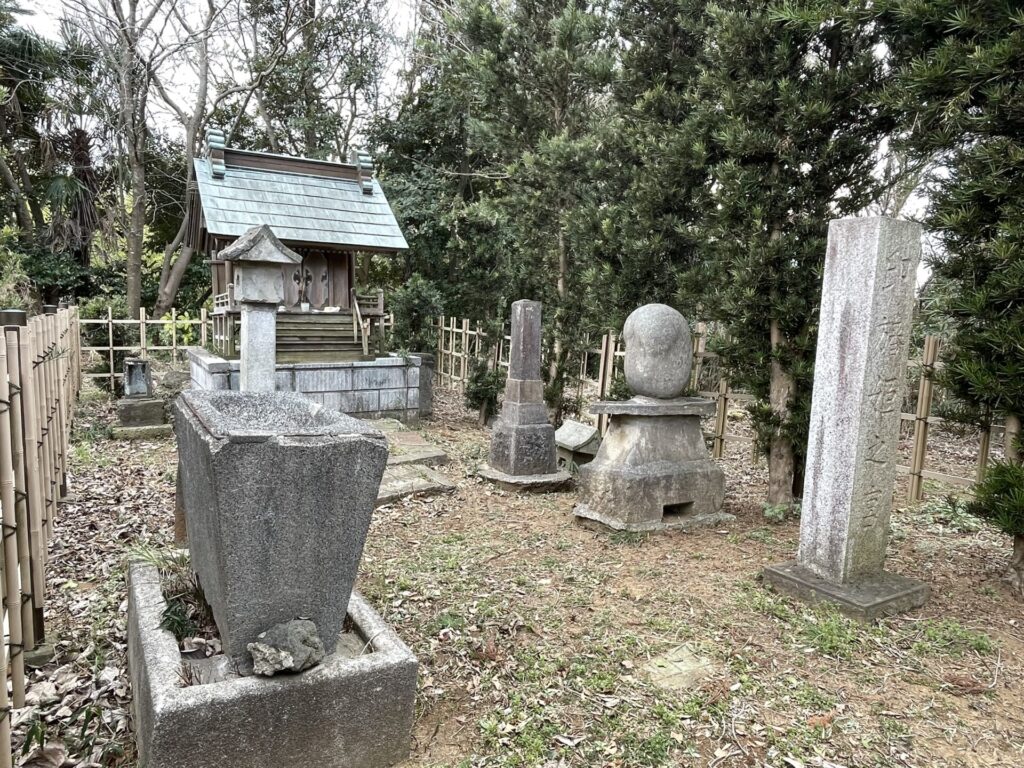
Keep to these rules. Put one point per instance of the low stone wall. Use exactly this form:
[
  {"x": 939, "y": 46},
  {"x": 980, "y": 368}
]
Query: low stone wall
[{"x": 388, "y": 387}]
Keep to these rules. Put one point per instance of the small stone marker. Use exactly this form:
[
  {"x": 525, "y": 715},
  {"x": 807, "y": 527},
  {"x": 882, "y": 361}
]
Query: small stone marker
[
  {"x": 863, "y": 338},
  {"x": 259, "y": 286},
  {"x": 523, "y": 442},
  {"x": 679, "y": 670},
  {"x": 139, "y": 414},
  {"x": 653, "y": 472},
  {"x": 576, "y": 444}
]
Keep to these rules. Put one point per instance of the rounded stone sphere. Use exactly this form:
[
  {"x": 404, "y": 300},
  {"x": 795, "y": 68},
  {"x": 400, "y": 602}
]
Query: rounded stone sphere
[{"x": 659, "y": 351}]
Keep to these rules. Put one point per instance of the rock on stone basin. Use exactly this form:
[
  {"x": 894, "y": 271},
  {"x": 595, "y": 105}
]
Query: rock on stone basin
[
  {"x": 659, "y": 351},
  {"x": 289, "y": 647},
  {"x": 278, "y": 494}
]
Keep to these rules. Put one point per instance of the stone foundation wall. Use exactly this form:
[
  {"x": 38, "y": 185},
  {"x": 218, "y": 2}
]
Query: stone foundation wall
[{"x": 388, "y": 387}]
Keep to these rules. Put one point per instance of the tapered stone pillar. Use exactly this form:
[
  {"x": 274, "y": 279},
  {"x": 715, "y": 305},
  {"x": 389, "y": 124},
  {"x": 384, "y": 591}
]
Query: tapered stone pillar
[
  {"x": 860, "y": 367},
  {"x": 523, "y": 442},
  {"x": 258, "y": 258}
]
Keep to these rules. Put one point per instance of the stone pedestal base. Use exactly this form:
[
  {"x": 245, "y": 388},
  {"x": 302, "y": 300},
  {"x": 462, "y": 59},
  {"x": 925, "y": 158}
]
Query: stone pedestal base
[
  {"x": 542, "y": 483},
  {"x": 867, "y": 600},
  {"x": 141, "y": 433},
  {"x": 527, "y": 449},
  {"x": 652, "y": 471},
  {"x": 349, "y": 712},
  {"x": 141, "y": 411}
]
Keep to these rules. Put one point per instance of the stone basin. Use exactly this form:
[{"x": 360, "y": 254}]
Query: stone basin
[{"x": 278, "y": 494}]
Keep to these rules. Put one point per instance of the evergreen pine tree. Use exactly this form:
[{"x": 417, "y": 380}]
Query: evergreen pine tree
[
  {"x": 786, "y": 104},
  {"x": 961, "y": 95}
]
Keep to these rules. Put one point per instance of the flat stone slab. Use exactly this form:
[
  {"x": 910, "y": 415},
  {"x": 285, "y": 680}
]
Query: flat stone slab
[
  {"x": 679, "y": 670},
  {"x": 345, "y": 713},
  {"x": 401, "y": 480},
  {"x": 141, "y": 411},
  {"x": 555, "y": 481},
  {"x": 650, "y": 406},
  {"x": 668, "y": 523},
  {"x": 141, "y": 433},
  {"x": 868, "y": 600},
  {"x": 413, "y": 448}
]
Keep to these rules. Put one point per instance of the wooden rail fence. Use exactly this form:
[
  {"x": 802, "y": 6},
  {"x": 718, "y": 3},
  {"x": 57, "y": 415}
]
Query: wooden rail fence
[
  {"x": 39, "y": 381},
  {"x": 106, "y": 336},
  {"x": 461, "y": 342}
]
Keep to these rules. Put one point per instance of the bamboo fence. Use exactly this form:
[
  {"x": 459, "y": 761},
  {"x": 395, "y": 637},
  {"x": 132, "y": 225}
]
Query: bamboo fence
[
  {"x": 460, "y": 343},
  {"x": 146, "y": 335},
  {"x": 39, "y": 381}
]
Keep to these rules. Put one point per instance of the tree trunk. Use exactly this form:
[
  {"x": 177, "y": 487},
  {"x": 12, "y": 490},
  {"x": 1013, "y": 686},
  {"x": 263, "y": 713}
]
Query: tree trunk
[
  {"x": 781, "y": 460},
  {"x": 169, "y": 290},
  {"x": 33, "y": 204},
  {"x": 1010, "y": 437},
  {"x": 21, "y": 211},
  {"x": 136, "y": 236},
  {"x": 1017, "y": 564}
]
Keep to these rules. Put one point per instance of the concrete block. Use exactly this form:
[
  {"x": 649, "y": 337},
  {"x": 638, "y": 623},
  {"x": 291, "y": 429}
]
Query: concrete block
[
  {"x": 393, "y": 399},
  {"x": 378, "y": 377},
  {"x": 278, "y": 495},
  {"x": 324, "y": 379},
  {"x": 349, "y": 712},
  {"x": 367, "y": 402},
  {"x": 140, "y": 411}
]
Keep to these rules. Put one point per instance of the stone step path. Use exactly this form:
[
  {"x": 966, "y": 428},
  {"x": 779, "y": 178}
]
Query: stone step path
[{"x": 411, "y": 464}]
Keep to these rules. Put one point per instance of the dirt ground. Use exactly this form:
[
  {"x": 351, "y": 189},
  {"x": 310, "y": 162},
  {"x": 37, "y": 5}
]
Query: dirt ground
[{"x": 533, "y": 632}]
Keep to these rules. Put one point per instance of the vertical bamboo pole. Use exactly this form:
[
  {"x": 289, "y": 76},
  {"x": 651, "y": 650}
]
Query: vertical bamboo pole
[
  {"x": 924, "y": 406},
  {"x": 699, "y": 345},
  {"x": 41, "y": 369},
  {"x": 110, "y": 347},
  {"x": 143, "y": 341},
  {"x": 6, "y": 752},
  {"x": 60, "y": 402},
  {"x": 465, "y": 351},
  {"x": 202, "y": 327},
  {"x": 33, "y": 473},
  {"x": 174, "y": 334},
  {"x": 8, "y": 505},
  {"x": 11, "y": 339},
  {"x": 1011, "y": 432},
  {"x": 721, "y": 419}
]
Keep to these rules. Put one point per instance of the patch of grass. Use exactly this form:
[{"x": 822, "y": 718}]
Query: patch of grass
[
  {"x": 949, "y": 637},
  {"x": 453, "y": 620},
  {"x": 950, "y": 511},
  {"x": 829, "y": 632},
  {"x": 762, "y": 600},
  {"x": 187, "y": 613},
  {"x": 763, "y": 535},
  {"x": 629, "y": 538}
]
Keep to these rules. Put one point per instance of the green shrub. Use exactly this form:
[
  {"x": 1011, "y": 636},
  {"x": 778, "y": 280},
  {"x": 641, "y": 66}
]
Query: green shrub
[
  {"x": 483, "y": 388},
  {"x": 999, "y": 498},
  {"x": 415, "y": 306}
]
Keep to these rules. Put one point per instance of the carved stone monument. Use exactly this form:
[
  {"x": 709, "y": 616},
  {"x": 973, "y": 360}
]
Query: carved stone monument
[
  {"x": 866, "y": 304},
  {"x": 523, "y": 442},
  {"x": 259, "y": 286},
  {"x": 279, "y": 492},
  {"x": 139, "y": 413},
  {"x": 652, "y": 471}
]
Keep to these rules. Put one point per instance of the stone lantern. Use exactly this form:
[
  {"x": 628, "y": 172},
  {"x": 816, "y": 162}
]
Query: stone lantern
[{"x": 258, "y": 259}]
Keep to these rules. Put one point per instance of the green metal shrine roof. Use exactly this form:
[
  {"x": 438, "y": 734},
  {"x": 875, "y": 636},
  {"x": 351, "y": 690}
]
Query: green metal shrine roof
[{"x": 311, "y": 202}]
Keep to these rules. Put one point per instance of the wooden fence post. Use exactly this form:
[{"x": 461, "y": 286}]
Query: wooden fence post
[
  {"x": 924, "y": 406},
  {"x": 143, "y": 341},
  {"x": 202, "y": 327},
  {"x": 174, "y": 334},
  {"x": 110, "y": 344},
  {"x": 721, "y": 419}
]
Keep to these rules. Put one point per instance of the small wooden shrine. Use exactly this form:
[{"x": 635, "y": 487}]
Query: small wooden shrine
[{"x": 326, "y": 212}]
